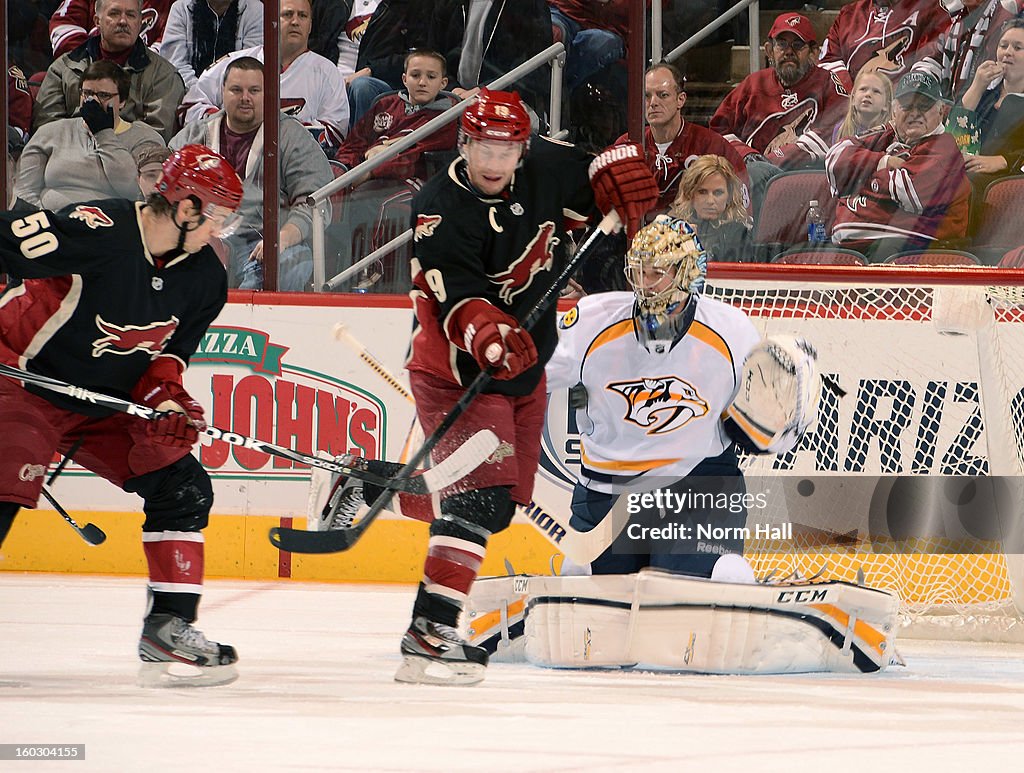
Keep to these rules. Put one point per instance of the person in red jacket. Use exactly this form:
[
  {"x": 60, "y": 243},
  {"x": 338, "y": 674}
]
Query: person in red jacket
[{"x": 902, "y": 185}]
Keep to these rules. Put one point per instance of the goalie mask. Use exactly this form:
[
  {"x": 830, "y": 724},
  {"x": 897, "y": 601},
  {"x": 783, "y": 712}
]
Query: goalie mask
[{"x": 665, "y": 266}]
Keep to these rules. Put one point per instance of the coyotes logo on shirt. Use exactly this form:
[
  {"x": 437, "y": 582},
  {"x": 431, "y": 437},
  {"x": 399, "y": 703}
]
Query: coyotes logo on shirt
[
  {"x": 94, "y": 217},
  {"x": 127, "y": 339},
  {"x": 425, "y": 226},
  {"x": 538, "y": 256},
  {"x": 663, "y": 404}
]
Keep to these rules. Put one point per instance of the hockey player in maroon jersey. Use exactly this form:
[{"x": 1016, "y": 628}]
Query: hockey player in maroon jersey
[
  {"x": 903, "y": 185},
  {"x": 115, "y": 296},
  {"x": 785, "y": 111},
  {"x": 490, "y": 239}
]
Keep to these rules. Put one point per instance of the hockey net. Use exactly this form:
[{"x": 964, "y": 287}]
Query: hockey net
[{"x": 932, "y": 364}]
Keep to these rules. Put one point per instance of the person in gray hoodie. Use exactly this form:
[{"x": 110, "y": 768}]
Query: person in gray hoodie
[{"x": 236, "y": 132}]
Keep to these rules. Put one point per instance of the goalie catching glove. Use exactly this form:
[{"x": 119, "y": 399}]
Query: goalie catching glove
[
  {"x": 622, "y": 181},
  {"x": 778, "y": 397},
  {"x": 494, "y": 338},
  {"x": 183, "y": 418}
]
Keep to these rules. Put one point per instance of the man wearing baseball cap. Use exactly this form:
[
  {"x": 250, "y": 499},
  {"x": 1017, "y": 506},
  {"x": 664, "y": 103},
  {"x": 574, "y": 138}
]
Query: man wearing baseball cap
[
  {"x": 788, "y": 110},
  {"x": 903, "y": 185},
  {"x": 884, "y": 35}
]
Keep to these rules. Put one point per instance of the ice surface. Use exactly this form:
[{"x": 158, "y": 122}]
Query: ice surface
[{"x": 316, "y": 694}]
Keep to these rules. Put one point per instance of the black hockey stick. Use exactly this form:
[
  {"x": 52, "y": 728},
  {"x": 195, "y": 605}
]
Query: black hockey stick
[
  {"x": 465, "y": 459},
  {"x": 90, "y": 532},
  {"x": 297, "y": 541}
]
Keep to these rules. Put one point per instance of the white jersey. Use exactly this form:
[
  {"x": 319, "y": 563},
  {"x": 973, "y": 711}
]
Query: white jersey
[
  {"x": 649, "y": 415},
  {"x": 312, "y": 90}
]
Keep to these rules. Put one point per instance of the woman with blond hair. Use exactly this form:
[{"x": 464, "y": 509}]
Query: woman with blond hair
[
  {"x": 870, "y": 105},
  {"x": 710, "y": 198}
]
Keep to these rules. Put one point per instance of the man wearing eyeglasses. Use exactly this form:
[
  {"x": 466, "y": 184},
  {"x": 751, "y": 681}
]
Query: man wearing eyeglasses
[
  {"x": 156, "y": 87},
  {"x": 788, "y": 110},
  {"x": 905, "y": 184}
]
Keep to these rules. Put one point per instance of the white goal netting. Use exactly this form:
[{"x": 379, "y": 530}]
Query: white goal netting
[{"x": 880, "y": 487}]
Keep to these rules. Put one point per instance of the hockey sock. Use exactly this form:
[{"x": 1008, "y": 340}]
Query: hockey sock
[
  {"x": 7, "y": 512},
  {"x": 175, "y": 560},
  {"x": 458, "y": 542}
]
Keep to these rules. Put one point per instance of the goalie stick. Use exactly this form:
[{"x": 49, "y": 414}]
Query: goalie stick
[
  {"x": 581, "y": 547},
  {"x": 464, "y": 460},
  {"x": 297, "y": 541}
]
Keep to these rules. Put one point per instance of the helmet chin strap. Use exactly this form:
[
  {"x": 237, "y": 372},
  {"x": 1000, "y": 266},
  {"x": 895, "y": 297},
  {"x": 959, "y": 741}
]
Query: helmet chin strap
[{"x": 183, "y": 229}]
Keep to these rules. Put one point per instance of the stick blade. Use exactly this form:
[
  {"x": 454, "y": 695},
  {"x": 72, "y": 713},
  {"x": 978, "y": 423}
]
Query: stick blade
[
  {"x": 93, "y": 534},
  {"x": 462, "y": 461},
  {"x": 299, "y": 541}
]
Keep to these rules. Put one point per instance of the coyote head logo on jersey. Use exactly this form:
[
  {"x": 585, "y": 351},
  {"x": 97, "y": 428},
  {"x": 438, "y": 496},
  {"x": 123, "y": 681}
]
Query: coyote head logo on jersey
[
  {"x": 425, "y": 225},
  {"x": 132, "y": 338},
  {"x": 94, "y": 217},
  {"x": 663, "y": 404},
  {"x": 538, "y": 256}
]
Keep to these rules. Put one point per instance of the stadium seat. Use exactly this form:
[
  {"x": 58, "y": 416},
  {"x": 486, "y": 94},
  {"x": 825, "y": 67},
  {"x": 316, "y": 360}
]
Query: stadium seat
[
  {"x": 782, "y": 221},
  {"x": 1012, "y": 259},
  {"x": 822, "y": 256},
  {"x": 1003, "y": 214},
  {"x": 933, "y": 258}
]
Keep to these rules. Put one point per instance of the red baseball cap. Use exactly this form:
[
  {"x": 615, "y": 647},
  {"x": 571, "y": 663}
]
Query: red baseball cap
[{"x": 796, "y": 23}]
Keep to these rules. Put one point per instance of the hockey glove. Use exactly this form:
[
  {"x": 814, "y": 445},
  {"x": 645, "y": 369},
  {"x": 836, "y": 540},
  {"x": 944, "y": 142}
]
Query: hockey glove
[
  {"x": 623, "y": 182},
  {"x": 183, "y": 418},
  {"x": 96, "y": 116},
  {"x": 495, "y": 338}
]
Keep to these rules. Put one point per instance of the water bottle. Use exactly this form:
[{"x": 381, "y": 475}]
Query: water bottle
[{"x": 815, "y": 224}]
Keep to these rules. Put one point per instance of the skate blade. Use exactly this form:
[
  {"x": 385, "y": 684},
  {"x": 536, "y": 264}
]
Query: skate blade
[
  {"x": 166, "y": 674},
  {"x": 417, "y": 670}
]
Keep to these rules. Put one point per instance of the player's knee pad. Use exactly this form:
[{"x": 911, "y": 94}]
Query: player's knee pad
[
  {"x": 475, "y": 515},
  {"x": 177, "y": 497}
]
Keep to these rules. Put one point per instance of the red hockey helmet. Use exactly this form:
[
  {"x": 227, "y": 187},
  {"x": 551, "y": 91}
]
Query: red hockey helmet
[
  {"x": 499, "y": 116},
  {"x": 196, "y": 171}
]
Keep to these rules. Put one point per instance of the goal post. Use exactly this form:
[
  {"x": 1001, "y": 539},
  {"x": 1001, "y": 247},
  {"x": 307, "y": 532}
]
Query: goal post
[{"x": 913, "y": 478}]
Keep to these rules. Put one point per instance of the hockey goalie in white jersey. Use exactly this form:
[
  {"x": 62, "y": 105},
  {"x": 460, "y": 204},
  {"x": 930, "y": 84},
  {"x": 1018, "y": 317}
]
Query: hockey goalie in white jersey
[
  {"x": 666, "y": 383},
  {"x": 662, "y": 398}
]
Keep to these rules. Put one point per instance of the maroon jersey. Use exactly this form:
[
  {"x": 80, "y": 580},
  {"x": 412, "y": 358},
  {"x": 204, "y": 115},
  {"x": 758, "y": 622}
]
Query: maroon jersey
[
  {"x": 889, "y": 39},
  {"x": 791, "y": 126},
  {"x": 72, "y": 23},
  {"x": 506, "y": 250},
  {"x": 925, "y": 199},
  {"x": 692, "y": 141},
  {"x": 92, "y": 308},
  {"x": 19, "y": 101},
  {"x": 391, "y": 119}
]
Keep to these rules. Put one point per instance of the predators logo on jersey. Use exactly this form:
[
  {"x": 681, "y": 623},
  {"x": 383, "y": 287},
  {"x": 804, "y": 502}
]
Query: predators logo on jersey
[{"x": 662, "y": 404}]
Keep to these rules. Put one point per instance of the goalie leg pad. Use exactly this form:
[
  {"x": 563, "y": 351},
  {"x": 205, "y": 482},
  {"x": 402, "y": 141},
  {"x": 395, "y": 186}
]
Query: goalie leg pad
[{"x": 664, "y": 621}]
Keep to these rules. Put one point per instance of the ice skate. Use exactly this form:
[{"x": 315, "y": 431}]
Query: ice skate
[
  {"x": 175, "y": 654},
  {"x": 435, "y": 654},
  {"x": 343, "y": 504}
]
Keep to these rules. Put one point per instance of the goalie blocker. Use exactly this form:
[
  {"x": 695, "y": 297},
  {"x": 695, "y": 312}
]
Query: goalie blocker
[{"x": 664, "y": 621}]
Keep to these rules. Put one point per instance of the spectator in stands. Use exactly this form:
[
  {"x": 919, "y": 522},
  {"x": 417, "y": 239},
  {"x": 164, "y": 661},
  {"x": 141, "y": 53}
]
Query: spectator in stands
[
  {"x": 996, "y": 95},
  {"x": 312, "y": 89},
  {"x": 670, "y": 142},
  {"x": 970, "y": 40},
  {"x": 884, "y": 35},
  {"x": 19, "y": 102},
  {"x": 156, "y": 88},
  {"x": 15, "y": 144},
  {"x": 593, "y": 34},
  {"x": 91, "y": 156},
  {"x": 396, "y": 115},
  {"x": 199, "y": 32},
  {"x": 75, "y": 21},
  {"x": 870, "y": 105},
  {"x": 904, "y": 185},
  {"x": 483, "y": 39},
  {"x": 787, "y": 111},
  {"x": 374, "y": 45},
  {"x": 151, "y": 166},
  {"x": 711, "y": 200},
  {"x": 236, "y": 132}
]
